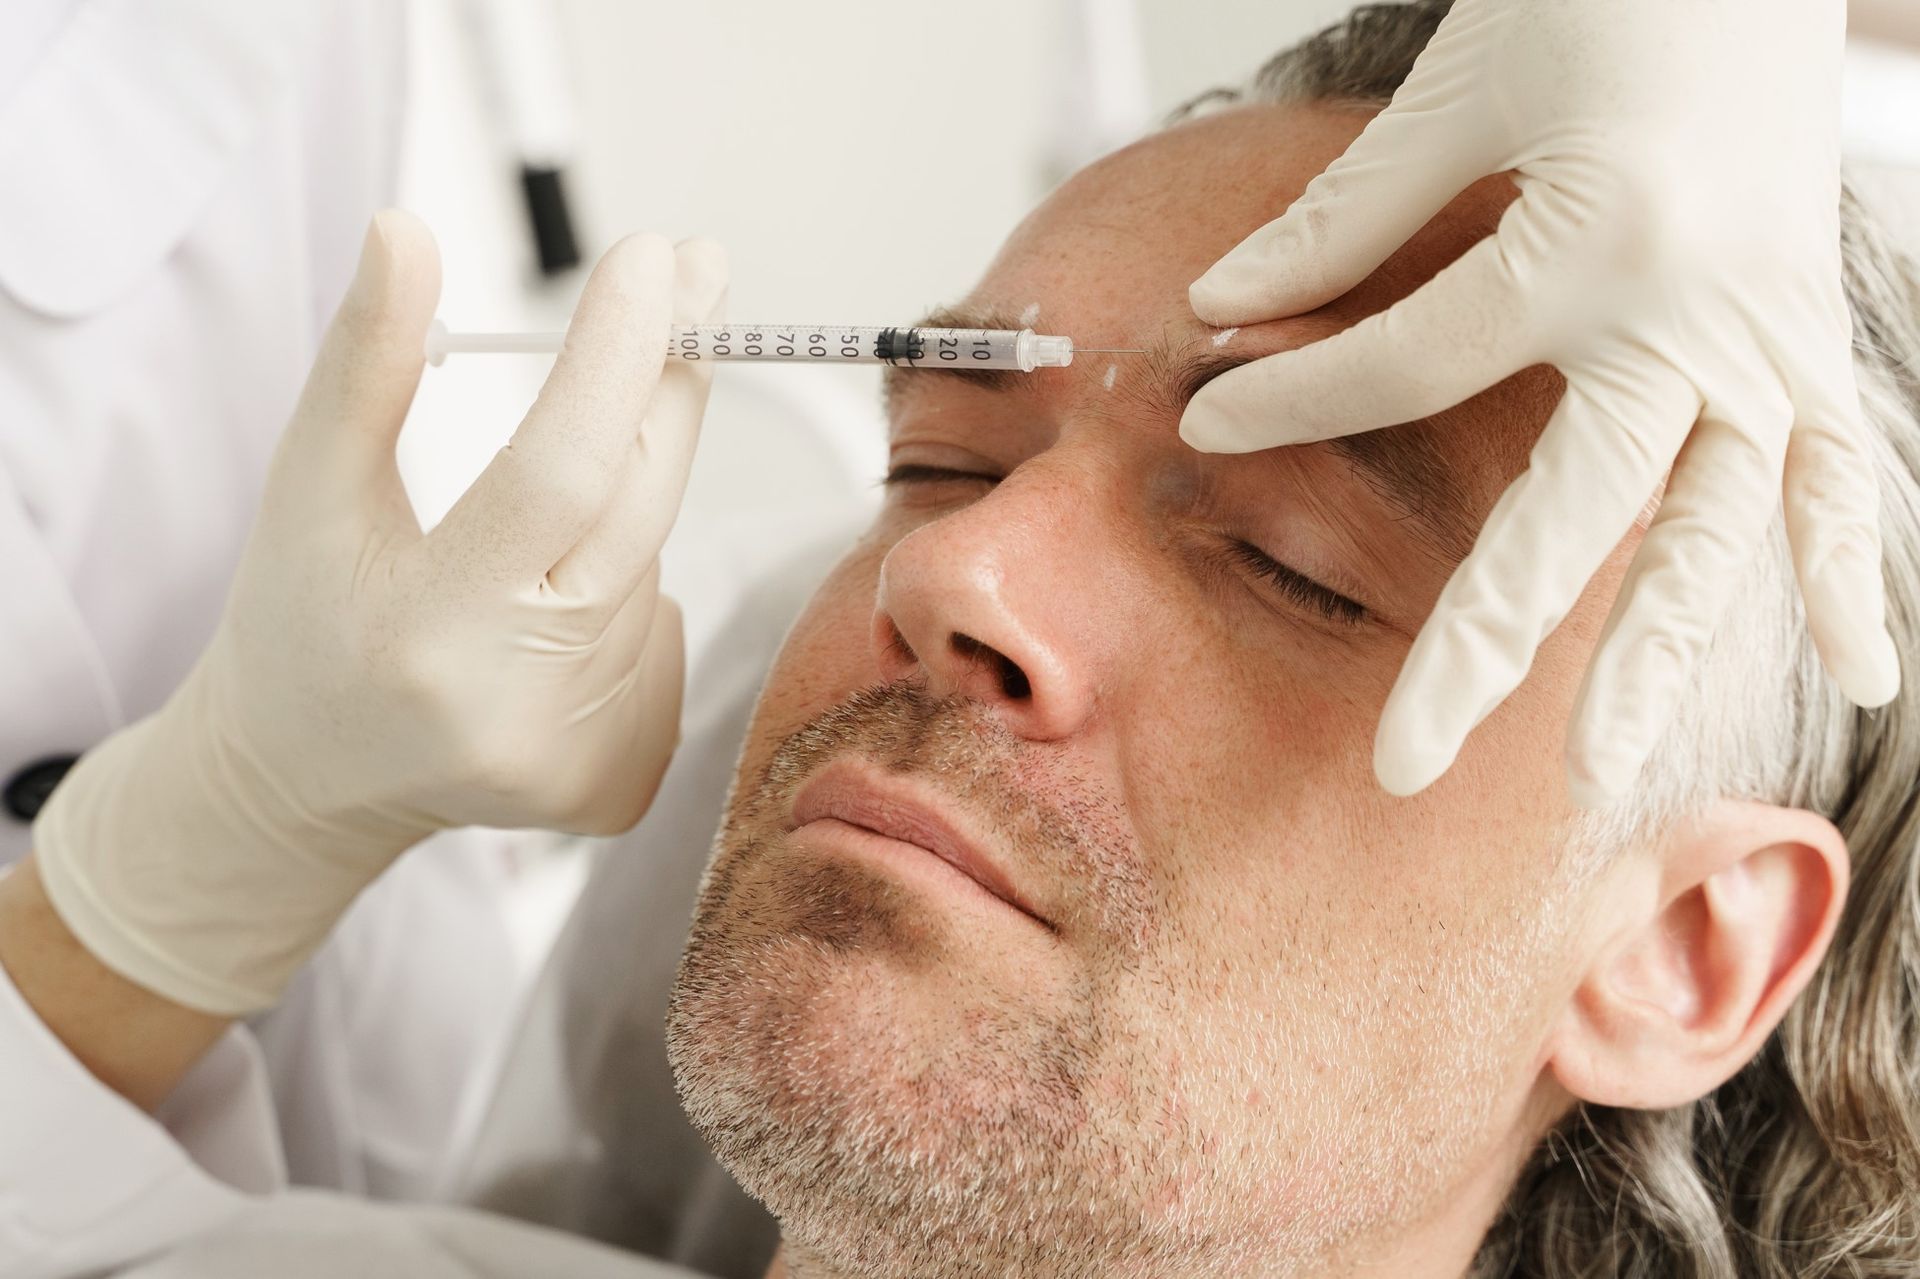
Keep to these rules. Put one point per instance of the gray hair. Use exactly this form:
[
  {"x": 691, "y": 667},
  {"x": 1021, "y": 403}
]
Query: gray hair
[{"x": 1807, "y": 1162}]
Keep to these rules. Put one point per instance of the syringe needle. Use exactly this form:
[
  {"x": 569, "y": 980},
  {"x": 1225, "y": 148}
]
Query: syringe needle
[{"x": 1108, "y": 350}]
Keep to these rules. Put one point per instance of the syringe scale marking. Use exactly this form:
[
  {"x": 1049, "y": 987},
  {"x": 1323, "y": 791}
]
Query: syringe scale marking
[{"x": 1021, "y": 350}]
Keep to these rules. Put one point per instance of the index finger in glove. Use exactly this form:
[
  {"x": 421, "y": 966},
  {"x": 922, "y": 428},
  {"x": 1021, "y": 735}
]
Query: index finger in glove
[
  {"x": 1426, "y": 147},
  {"x": 1469, "y": 327},
  {"x": 544, "y": 490},
  {"x": 612, "y": 556}
]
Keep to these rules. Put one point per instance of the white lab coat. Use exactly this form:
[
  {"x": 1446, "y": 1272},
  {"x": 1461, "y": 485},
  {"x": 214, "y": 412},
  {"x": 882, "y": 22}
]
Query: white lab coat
[
  {"x": 184, "y": 185},
  {"x": 90, "y": 1185},
  {"x": 187, "y": 183}
]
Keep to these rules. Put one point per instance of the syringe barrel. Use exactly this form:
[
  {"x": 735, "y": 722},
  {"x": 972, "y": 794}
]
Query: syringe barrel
[
  {"x": 1020, "y": 349},
  {"x": 905, "y": 347}
]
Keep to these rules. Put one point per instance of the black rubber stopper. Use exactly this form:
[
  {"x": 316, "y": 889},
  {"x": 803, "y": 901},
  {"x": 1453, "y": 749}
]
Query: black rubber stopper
[{"x": 898, "y": 346}]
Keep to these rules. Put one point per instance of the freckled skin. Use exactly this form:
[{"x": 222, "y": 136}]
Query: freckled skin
[{"x": 1286, "y": 1023}]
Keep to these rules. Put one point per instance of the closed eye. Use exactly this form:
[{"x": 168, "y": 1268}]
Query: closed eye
[
  {"x": 1298, "y": 587},
  {"x": 916, "y": 473}
]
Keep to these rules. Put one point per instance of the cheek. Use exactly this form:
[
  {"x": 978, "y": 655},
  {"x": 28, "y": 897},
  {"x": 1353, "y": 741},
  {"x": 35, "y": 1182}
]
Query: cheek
[
  {"x": 1289, "y": 871},
  {"x": 826, "y": 656},
  {"x": 1257, "y": 782},
  {"x": 1332, "y": 952},
  {"x": 1251, "y": 749}
]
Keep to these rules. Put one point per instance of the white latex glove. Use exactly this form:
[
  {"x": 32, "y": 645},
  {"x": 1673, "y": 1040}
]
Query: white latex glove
[
  {"x": 1675, "y": 252},
  {"x": 369, "y": 684}
]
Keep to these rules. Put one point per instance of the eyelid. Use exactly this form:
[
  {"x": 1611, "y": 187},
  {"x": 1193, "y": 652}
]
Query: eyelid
[
  {"x": 1291, "y": 582},
  {"x": 1300, "y": 588}
]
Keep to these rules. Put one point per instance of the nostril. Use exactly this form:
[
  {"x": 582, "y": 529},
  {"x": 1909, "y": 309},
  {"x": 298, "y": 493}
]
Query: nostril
[
  {"x": 898, "y": 647},
  {"x": 1013, "y": 681}
]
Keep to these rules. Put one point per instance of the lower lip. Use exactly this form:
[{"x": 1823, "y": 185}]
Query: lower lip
[{"x": 904, "y": 860}]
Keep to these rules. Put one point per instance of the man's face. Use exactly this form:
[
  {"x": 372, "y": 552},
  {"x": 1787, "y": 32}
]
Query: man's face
[{"x": 1248, "y": 1010}]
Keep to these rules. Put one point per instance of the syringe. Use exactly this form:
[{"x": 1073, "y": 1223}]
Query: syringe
[{"x": 906, "y": 346}]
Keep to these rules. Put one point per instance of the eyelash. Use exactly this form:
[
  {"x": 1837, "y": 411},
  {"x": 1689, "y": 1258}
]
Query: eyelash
[
  {"x": 915, "y": 473},
  {"x": 1296, "y": 586},
  {"x": 1300, "y": 588}
]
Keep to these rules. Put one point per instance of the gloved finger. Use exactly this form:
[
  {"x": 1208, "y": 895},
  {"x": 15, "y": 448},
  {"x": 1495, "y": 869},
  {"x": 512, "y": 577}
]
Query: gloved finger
[
  {"x": 1832, "y": 513},
  {"x": 1592, "y": 472},
  {"x": 543, "y": 491},
  {"x": 610, "y": 557},
  {"x": 1719, "y": 501},
  {"x": 1464, "y": 330},
  {"x": 338, "y": 453},
  {"x": 648, "y": 638},
  {"x": 1422, "y": 150}
]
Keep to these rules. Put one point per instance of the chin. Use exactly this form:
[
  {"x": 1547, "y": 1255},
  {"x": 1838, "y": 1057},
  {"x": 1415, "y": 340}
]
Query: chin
[
  {"x": 826, "y": 981},
  {"x": 893, "y": 1107}
]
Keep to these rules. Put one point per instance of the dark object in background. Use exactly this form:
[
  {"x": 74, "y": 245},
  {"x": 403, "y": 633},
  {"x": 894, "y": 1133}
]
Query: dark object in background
[
  {"x": 28, "y": 790},
  {"x": 550, "y": 219}
]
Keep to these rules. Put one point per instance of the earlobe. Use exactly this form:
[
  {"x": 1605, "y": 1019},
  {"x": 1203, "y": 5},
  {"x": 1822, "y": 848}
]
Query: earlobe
[{"x": 1708, "y": 943}]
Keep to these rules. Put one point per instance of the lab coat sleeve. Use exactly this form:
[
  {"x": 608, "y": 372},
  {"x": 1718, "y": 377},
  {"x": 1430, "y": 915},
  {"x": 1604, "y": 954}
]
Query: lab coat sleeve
[{"x": 90, "y": 1182}]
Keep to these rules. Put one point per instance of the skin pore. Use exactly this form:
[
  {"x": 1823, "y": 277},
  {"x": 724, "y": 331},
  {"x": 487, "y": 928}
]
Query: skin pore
[{"x": 1254, "y": 1016}]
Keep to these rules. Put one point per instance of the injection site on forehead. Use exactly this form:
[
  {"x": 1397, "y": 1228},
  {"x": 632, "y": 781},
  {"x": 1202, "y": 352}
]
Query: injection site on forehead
[{"x": 1412, "y": 468}]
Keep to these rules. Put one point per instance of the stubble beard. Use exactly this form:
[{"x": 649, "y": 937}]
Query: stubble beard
[
  {"x": 888, "y": 1137},
  {"x": 1049, "y": 1137}
]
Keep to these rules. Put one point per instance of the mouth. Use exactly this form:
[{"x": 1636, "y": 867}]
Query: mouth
[{"x": 904, "y": 815}]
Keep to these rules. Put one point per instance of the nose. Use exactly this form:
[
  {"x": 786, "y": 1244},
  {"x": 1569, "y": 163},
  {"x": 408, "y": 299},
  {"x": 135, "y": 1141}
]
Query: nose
[{"x": 996, "y": 608}]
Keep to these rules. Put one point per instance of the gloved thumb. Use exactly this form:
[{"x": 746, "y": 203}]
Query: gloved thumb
[{"x": 342, "y": 436}]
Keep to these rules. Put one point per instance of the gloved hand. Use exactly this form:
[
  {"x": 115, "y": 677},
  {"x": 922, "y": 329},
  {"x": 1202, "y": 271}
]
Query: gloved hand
[
  {"x": 369, "y": 684},
  {"x": 1675, "y": 252}
]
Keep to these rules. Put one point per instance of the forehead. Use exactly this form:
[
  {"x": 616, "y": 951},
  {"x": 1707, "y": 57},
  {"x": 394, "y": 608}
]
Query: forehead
[
  {"x": 1108, "y": 257},
  {"x": 1134, "y": 229}
]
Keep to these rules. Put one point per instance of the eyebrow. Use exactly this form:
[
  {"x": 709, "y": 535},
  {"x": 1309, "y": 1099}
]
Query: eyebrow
[
  {"x": 896, "y": 378},
  {"x": 1401, "y": 464}
]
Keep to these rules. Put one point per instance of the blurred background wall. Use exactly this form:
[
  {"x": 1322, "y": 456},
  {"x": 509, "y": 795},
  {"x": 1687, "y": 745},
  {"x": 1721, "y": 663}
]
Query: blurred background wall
[{"x": 860, "y": 160}]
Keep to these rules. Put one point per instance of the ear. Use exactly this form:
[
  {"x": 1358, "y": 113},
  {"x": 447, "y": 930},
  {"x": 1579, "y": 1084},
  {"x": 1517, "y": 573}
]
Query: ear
[{"x": 1705, "y": 944}]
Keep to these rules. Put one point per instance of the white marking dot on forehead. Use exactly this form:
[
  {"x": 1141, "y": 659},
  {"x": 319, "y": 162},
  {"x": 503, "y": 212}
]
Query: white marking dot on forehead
[
  {"x": 1225, "y": 336},
  {"x": 1029, "y": 315}
]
